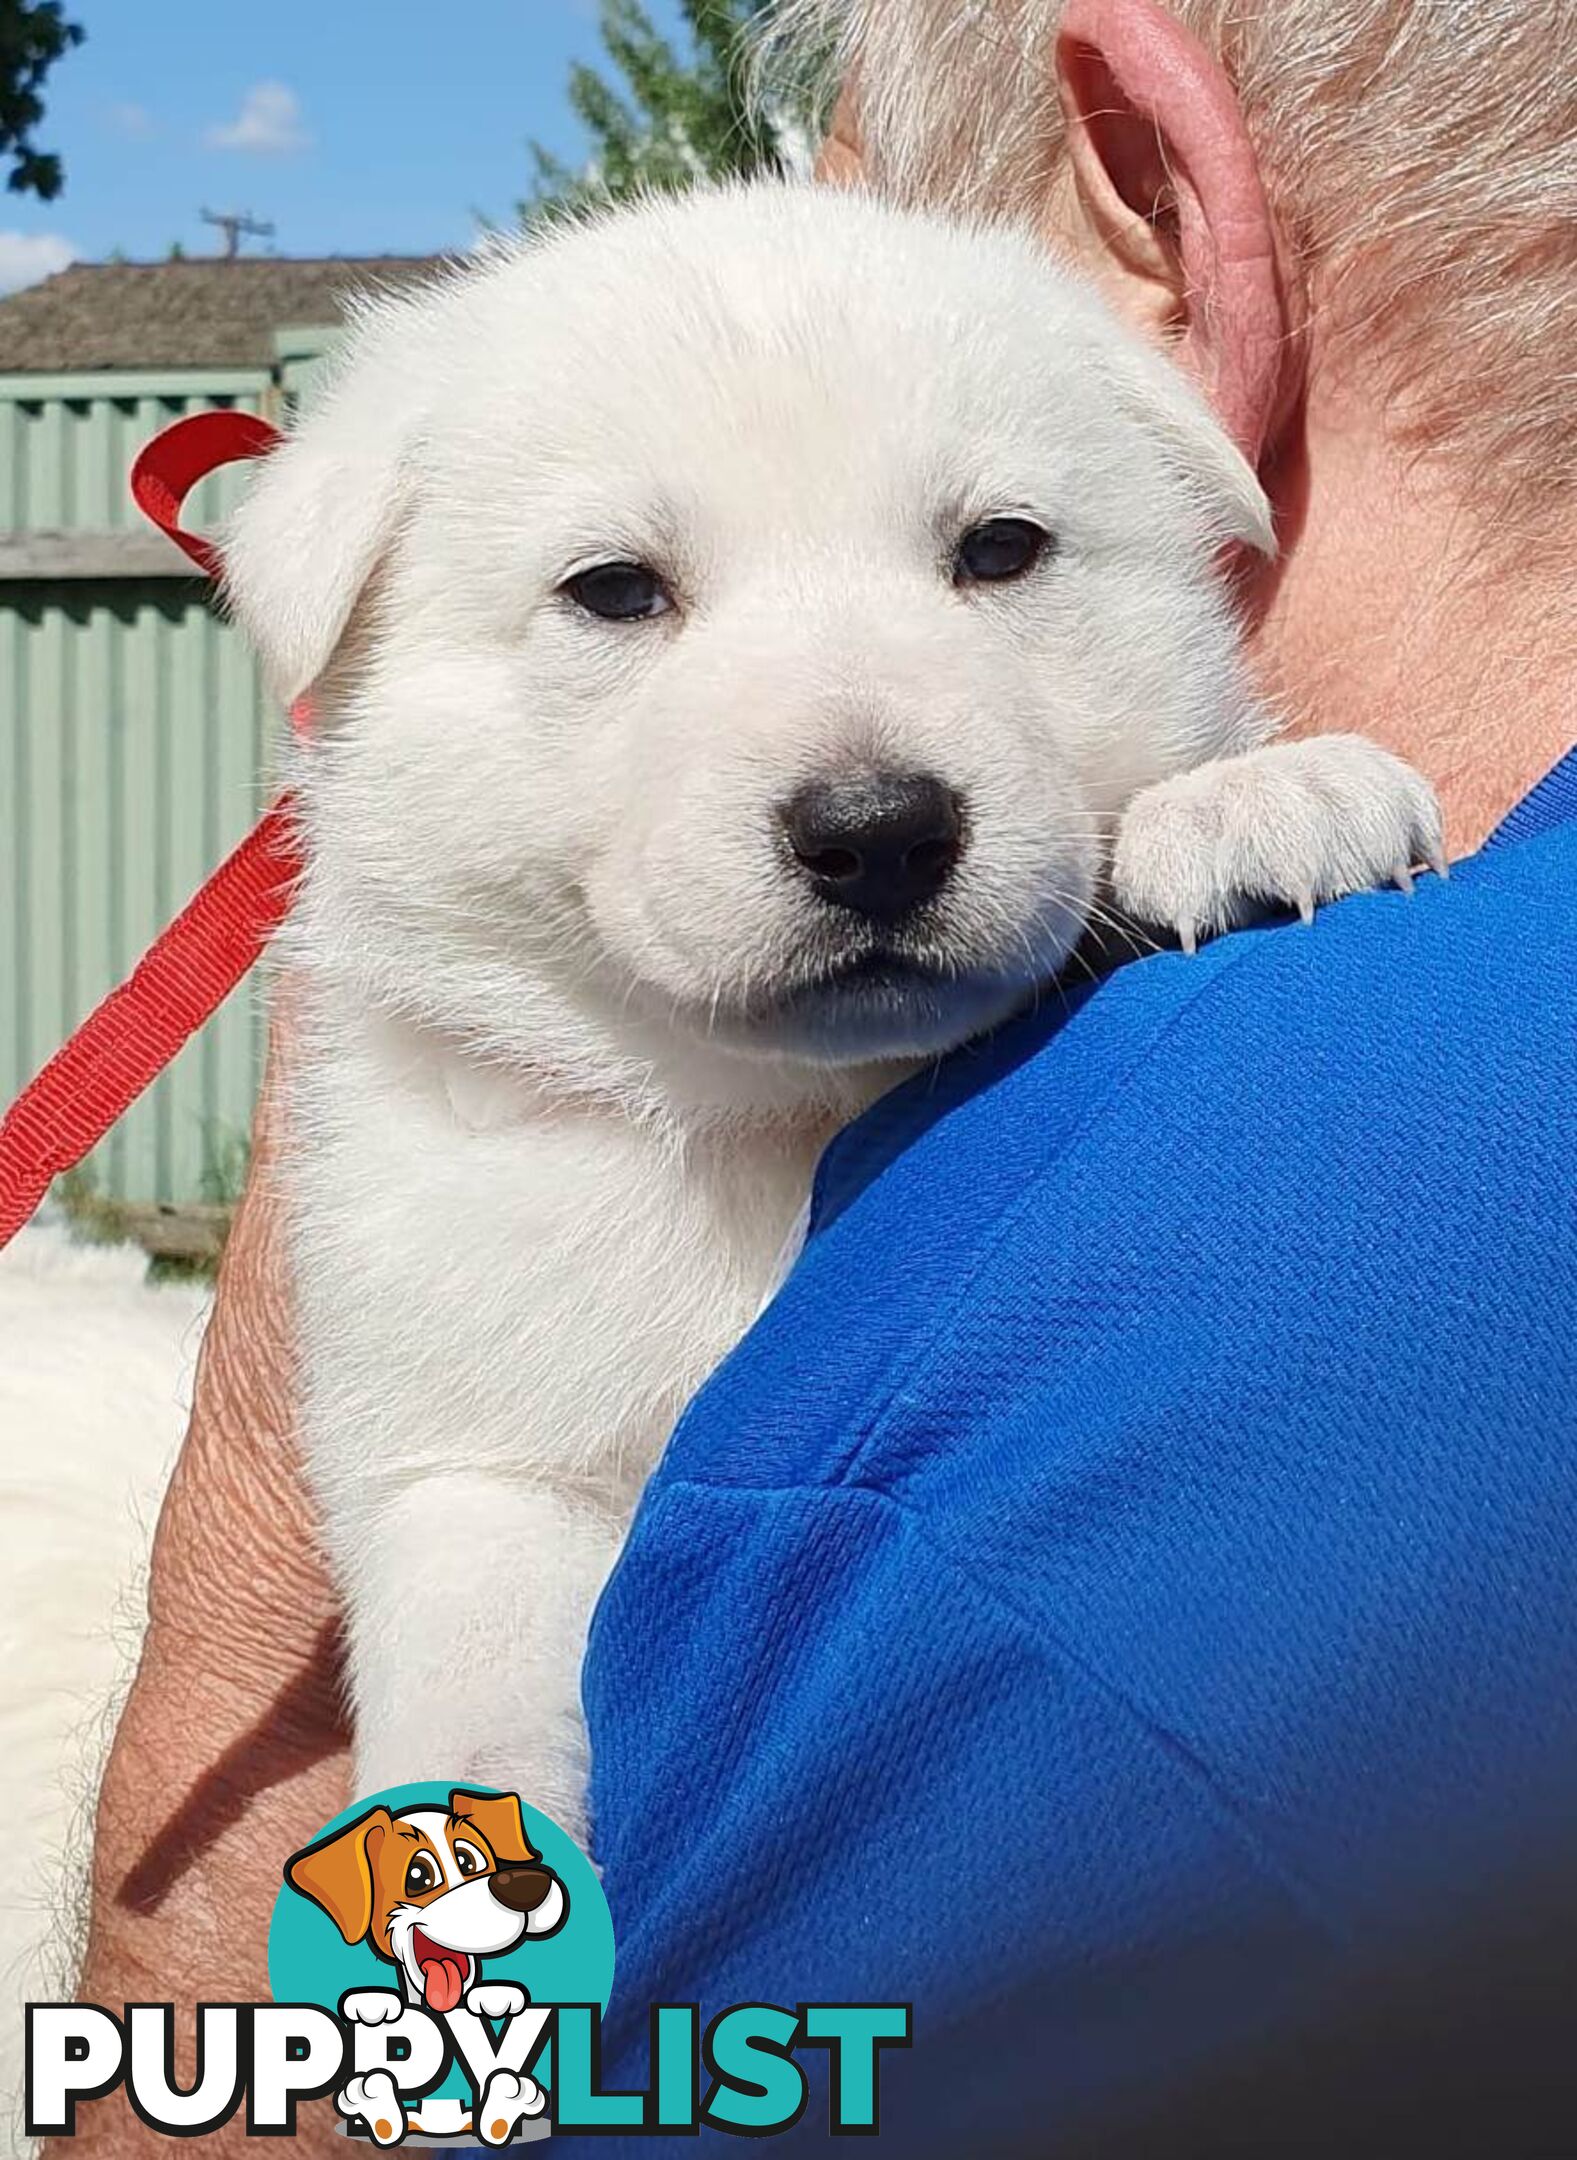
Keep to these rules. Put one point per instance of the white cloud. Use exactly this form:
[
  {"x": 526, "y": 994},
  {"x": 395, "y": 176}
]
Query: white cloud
[
  {"x": 270, "y": 121},
  {"x": 27, "y": 257}
]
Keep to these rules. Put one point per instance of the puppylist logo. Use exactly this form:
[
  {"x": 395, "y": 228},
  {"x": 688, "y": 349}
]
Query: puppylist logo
[
  {"x": 455, "y": 1930},
  {"x": 441, "y": 1959}
]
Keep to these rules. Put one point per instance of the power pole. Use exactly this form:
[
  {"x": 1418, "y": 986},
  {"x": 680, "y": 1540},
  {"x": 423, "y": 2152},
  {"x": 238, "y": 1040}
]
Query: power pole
[{"x": 237, "y": 225}]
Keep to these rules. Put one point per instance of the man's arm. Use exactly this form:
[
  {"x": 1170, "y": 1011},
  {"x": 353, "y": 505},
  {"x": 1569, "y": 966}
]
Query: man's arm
[{"x": 232, "y": 1748}]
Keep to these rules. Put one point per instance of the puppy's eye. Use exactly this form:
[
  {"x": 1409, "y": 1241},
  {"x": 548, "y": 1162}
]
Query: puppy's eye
[
  {"x": 467, "y": 1859},
  {"x": 421, "y": 1876},
  {"x": 619, "y": 592},
  {"x": 1001, "y": 549}
]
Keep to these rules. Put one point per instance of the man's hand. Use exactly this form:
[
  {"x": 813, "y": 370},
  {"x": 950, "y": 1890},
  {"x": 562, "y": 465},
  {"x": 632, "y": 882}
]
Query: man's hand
[{"x": 232, "y": 1750}]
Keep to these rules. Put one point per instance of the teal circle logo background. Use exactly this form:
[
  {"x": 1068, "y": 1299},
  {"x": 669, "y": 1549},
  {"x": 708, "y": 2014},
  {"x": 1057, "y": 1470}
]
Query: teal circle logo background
[{"x": 310, "y": 1962}]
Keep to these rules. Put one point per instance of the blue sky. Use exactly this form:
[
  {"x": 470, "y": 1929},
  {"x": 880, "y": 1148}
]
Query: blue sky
[{"x": 356, "y": 126}]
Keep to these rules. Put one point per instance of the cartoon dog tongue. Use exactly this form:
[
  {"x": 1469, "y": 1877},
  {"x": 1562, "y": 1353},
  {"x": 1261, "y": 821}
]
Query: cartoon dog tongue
[{"x": 442, "y": 1980}]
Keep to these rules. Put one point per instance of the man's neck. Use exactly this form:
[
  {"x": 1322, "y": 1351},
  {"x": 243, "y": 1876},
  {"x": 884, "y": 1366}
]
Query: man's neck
[{"x": 1407, "y": 613}]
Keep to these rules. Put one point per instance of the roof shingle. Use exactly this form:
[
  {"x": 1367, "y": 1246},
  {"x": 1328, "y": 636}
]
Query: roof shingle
[{"x": 199, "y": 313}]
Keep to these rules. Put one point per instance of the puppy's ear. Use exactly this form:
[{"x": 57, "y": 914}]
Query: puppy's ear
[
  {"x": 322, "y": 510},
  {"x": 1233, "y": 504},
  {"x": 498, "y": 1817},
  {"x": 336, "y": 1873}
]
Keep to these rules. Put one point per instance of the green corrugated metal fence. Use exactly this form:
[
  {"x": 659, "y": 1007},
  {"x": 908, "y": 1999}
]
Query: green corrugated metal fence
[{"x": 66, "y": 449}]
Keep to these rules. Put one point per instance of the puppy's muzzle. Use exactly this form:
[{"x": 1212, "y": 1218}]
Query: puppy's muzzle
[{"x": 878, "y": 843}]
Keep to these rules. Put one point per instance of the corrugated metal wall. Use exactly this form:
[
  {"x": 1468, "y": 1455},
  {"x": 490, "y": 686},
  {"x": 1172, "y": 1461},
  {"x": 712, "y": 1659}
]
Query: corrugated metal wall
[
  {"x": 133, "y": 733},
  {"x": 64, "y": 460}
]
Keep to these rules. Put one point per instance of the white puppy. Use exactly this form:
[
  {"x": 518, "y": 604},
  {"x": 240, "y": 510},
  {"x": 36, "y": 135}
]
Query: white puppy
[{"x": 748, "y": 635}]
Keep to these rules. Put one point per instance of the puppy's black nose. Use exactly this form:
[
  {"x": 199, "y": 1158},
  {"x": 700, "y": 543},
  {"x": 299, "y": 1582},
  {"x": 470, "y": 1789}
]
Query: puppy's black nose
[
  {"x": 879, "y": 843},
  {"x": 521, "y": 1889}
]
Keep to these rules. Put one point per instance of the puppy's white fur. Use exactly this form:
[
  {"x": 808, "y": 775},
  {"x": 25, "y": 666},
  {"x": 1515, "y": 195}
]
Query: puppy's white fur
[{"x": 574, "y": 1028}]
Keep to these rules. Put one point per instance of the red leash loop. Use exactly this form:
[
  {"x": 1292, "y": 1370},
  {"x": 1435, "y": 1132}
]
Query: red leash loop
[
  {"x": 169, "y": 467},
  {"x": 127, "y": 1041}
]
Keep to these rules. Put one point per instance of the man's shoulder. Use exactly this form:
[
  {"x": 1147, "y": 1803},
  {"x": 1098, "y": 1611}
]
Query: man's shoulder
[
  {"x": 1486, "y": 954},
  {"x": 1461, "y": 996},
  {"x": 1202, "y": 1147},
  {"x": 1466, "y": 977}
]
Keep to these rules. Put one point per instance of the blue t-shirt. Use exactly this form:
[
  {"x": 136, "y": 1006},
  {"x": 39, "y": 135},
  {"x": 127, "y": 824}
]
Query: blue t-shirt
[{"x": 1127, "y": 1580}]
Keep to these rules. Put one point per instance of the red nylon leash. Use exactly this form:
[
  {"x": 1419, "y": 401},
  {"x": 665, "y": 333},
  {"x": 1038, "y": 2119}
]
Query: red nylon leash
[{"x": 128, "y": 1040}]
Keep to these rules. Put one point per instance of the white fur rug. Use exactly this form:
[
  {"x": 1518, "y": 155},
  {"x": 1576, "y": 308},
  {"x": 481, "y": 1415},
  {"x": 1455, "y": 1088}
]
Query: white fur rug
[{"x": 95, "y": 1378}]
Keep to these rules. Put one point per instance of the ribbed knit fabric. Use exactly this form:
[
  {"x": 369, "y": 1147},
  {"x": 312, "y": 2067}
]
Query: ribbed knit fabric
[{"x": 1129, "y": 1575}]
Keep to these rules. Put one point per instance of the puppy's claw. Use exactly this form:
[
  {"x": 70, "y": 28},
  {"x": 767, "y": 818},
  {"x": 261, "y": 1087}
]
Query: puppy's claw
[
  {"x": 1402, "y": 877},
  {"x": 1306, "y": 906},
  {"x": 1438, "y": 862},
  {"x": 1188, "y": 938}
]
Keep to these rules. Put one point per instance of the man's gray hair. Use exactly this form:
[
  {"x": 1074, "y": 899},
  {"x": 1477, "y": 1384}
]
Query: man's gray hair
[{"x": 1421, "y": 154}]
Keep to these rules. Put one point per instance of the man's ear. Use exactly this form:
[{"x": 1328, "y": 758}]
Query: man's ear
[
  {"x": 840, "y": 162},
  {"x": 1169, "y": 190},
  {"x": 498, "y": 1817},
  {"x": 318, "y": 517},
  {"x": 336, "y": 1873}
]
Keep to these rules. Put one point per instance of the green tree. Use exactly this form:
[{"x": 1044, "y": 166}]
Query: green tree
[
  {"x": 33, "y": 36},
  {"x": 672, "y": 116}
]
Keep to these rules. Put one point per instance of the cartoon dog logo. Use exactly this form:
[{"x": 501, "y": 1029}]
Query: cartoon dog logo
[{"x": 432, "y": 1892}]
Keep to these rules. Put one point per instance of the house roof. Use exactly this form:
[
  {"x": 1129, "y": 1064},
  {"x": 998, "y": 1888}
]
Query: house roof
[{"x": 197, "y": 313}]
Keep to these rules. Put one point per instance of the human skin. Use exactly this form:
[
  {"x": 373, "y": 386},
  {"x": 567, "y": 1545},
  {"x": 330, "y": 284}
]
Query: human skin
[
  {"x": 1386, "y": 613},
  {"x": 232, "y": 1750}
]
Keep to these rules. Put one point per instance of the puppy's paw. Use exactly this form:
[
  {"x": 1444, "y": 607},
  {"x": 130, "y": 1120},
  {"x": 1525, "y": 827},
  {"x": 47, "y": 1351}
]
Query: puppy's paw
[
  {"x": 505, "y": 2099},
  {"x": 371, "y": 2006},
  {"x": 376, "y": 2100},
  {"x": 496, "y": 1999},
  {"x": 1287, "y": 826}
]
